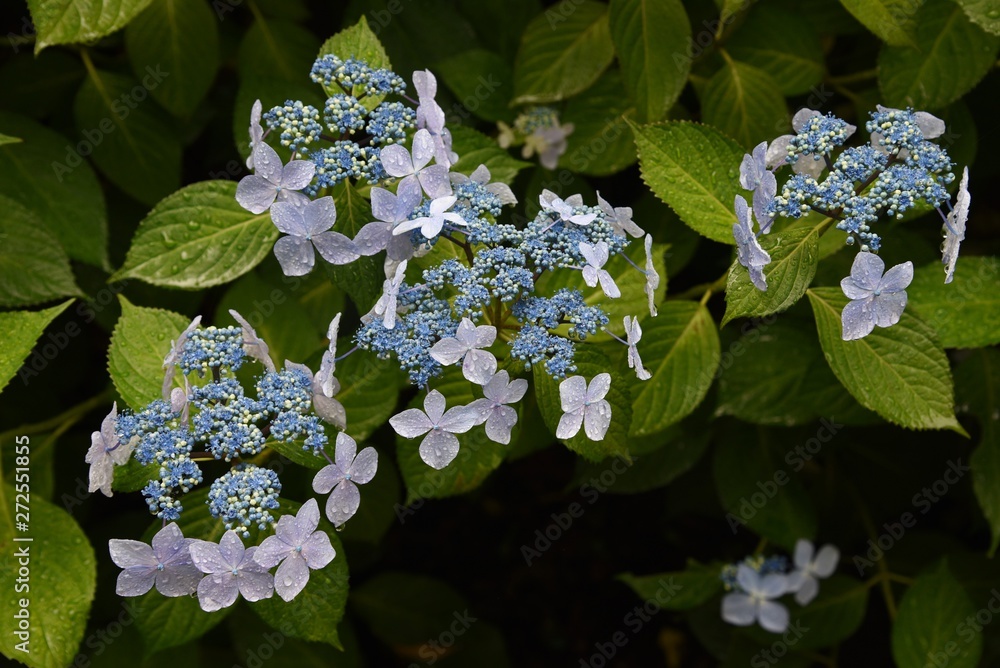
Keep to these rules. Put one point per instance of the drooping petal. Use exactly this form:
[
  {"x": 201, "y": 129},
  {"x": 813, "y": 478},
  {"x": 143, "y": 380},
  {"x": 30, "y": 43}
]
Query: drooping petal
[
  {"x": 135, "y": 581},
  {"x": 295, "y": 255},
  {"x": 889, "y": 308},
  {"x": 343, "y": 503},
  {"x": 773, "y": 617},
  {"x": 291, "y": 577},
  {"x": 608, "y": 284},
  {"x": 255, "y": 193},
  {"x": 499, "y": 423},
  {"x": 897, "y": 278},
  {"x": 807, "y": 590},
  {"x": 867, "y": 271},
  {"x": 439, "y": 448},
  {"x": 329, "y": 409},
  {"x": 131, "y": 553},
  {"x": 739, "y": 609},
  {"x": 857, "y": 319},
  {"x": 336, "y": 248},
  {"x": 597, "y": 419},
  {"x": 570, "y": 423},
  {"x": 479, "y": 366},
  {"x": 218, "y": 591},
  {"x": 411, "y": 423}
]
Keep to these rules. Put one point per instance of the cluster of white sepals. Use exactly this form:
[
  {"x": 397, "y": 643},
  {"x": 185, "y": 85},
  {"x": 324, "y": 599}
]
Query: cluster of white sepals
[{"x": 308, "y": 224}]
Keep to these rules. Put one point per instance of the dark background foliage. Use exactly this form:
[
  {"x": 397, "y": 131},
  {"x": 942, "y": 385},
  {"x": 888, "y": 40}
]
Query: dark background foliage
[{"x": 565, "y": 605}]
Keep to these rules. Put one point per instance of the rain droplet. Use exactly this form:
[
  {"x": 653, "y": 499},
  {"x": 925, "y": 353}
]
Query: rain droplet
[
  {"x": 193, "y": 224},
  {"x": 185, "y": 255}
]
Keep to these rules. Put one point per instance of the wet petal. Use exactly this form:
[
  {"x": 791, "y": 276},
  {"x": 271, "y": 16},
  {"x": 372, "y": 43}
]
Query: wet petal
[
  {"x": 396, "y": 160},
  {"x": 271, "y": 551},
  {"x": 297, "y": 174},
  {"x": 319, "y": 215},
  {"x": 867, "y": 270},
  {"x": 365, "y": 465},
  {"x": 897, "y": 278},
  {"x": 479, "y": 366},
  {"x": 372, "y": 238},
  {"x": 597, "y": 419},
  {"x": 295, "y": 255},
  {"x": 423, "y": 150},
  {"x": 135, "y": 581},
  {"x": 570, "y": 423},
  {"x": 178, "y": 579},
  {"x": 217, "y": 591},
  {"x": 857, "y": 319},
  {"x": 255, "y": 193},
  {"x": 448, "y": 351},
  {"x": 343, "y": 503},
  {"x": 289, "y": 219},
  {"x": 131, "y": 553},
  {"x": 411, "y": 423},
  {"x": 434, "y": 404},
  {"x": 266, "y": 163},
  {"x": 291, "y": 577},
  {"x": 499, "y": 423},
  {"x": 599, "y": 387},
  {"x": 336, "y": 248},
  {"x": 208, "y": 558},
  {"x": 327, "y": 478},
  {"x": 439, "y": 448},
  {"x": 572, "y": 393},
  {"x": 435, "y": 182},
  {"x": 889, "y": 308}
]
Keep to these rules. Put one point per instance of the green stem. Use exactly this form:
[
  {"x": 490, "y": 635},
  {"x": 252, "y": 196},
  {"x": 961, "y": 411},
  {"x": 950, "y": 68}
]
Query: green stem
[
  {"x": 854, "y": 77},
  {"x": 884, "y": 576}
]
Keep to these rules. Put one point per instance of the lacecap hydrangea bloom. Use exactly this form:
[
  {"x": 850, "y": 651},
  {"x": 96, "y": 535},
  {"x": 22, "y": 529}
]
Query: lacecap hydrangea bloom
[{"x": 899, "y": 170}]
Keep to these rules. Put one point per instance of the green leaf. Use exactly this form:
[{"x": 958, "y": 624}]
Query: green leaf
[
  {"x": 782, "y": 44},
  {"x": 745, "y": 103},
  {"x": 499, "y": 25},
  {"x": 652, "y": 36},
  {"x": 983, "y": 13},
  {"x": 362, "y": 279},
  {"x": 198, "y": 237},
  {"x": 131, "y": 140},
  {"x": 474, "y": 149},
  {"x": 794, "y": 256},
  {"x": 477, "y": 457},
  {"x": 966, "y": 312},
  {"x": 928, "y": 625},
  {"x": 563, "y": 52},
  {"x": 182, "y": 38},
  {"x": 596, "y": 146},
  {"x": 63, "y": 579},
  {"x": 38, "y": 86},
  {"x": 678, "y": 590},
  {"x": 695, "y": 169},
  {"x": 891, "y": 20},
  {"x": 900, "y": 372},
  {"x": 949, "y": 58},
  {"x": 757, "y": 491},
  {"x": 369, "y": 390},
  {"x": 779, "y": 376},
  {"x": 680, "y": 347},
  {"x": 46, "y": 175},
  {"x": 589, "y": 362},
  {"x": 316, "y": 612},
  {"x": 76, "y": 21},
  {"x": 20, "y": 330},
  {"x": 5, "y": 139},
  {"x": 359, "y": 42},
  {"x": 977, "y": 389},
  {"x": 832, "y": 617},
  {"x": 405, "y": 610},
  {"x": 133, "y": 476},
  {"x": 482, "y": 82},
  {"x": 139, "y": 343},
  {"x": 34, "y": 268}
]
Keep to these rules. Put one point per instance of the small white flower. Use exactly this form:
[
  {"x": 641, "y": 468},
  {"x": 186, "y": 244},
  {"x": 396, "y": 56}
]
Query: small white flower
[
  {"x": 596, "y": 256},
  {"x": 431, "y": 225},
  {"x": 810, "y": 568},
  {"x": 386, "y": 304},
  {"x": 755, "y": 603},
  {"x": 341, "y": 479},
  {"x": 253, "y": 345},
  {"x": 652, "y": 277},
  {"x": 400, "y": 163},
  {"x": 620, "y": 218},
  {"x": 170, "y": 361},
  {"x": 633, "y": 333},
  {"x": 272, "y": 180},
  {"x": 585, "y": 406},
  {"x": 482, "y": 177},
  {"x": 440, "y": 445},
  {"x": 389, "y": 210},
  {"x": 106, "y": 452},
  {"x": 469, "y": 342},
  {"x": 492, "y": 410},
  {"x": 256, "y": 131},
  {"x": 551, "y": 202},
  {"x": 955, "y": 227}
]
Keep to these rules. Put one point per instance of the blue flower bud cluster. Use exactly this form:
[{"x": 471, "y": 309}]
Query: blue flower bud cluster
[
  {"x": 220, "y": 418},
  {"x": 535, "y": 118},
  {"x": 297, "y": 123},
  {"x": 344, "y": 160},
  {"x": 899, "y": 170},
  {"x": 243, "y": 496},
  {"x": 355, "y": 75}
]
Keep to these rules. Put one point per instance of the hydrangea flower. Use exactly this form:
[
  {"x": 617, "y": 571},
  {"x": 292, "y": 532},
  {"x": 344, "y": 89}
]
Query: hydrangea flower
[
  {"x": 596, "y": 256},
  {"x": 308, "y": 227},
  {"x": 756, "y": 177},
  {"x": 430, "y": 116},
  {"x": 482, "y": 176},
  {"x": 324, "y": 405},
  {"x": 174, "y": 356},
  {"x": 340, "y": 479},
  {"x": 551, "y": 202},
  {"x": 900, "y": 128},
  {"x": 431, "y": 225},
  {"x": 585, "y": 406},
  {"x": 107, "y": 451},
  {"x": 955, "y": 227},
  {"x": 440, "y": 445},
  {"x": 633, "y": 333},
  {"x": 166, "y": 564},
  {"x": 230, "y": 570},
  {"x": 389, "y": 211},
  {"x": 272, "y": 180},
  {"x": 620, "y": 218},
  {"x": 253, "y": 345},
  {"x": 493, "y": 410},
  {"x": 652, "y": 276},
  {"x": 810, "y": 568},
  {"x": 244, "y": 495},
  {"x": 398, "y": 162},
  {"x": 256, "y": 130},
  {"x": 468, "y": 345},
  {"x": 385, "y": 307},
  {"x": 755, "y": 600},
  {"x": 748, "y": 250},
  {"x": 295, "y": 548},
  {"x": 875, "y": 299}
]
